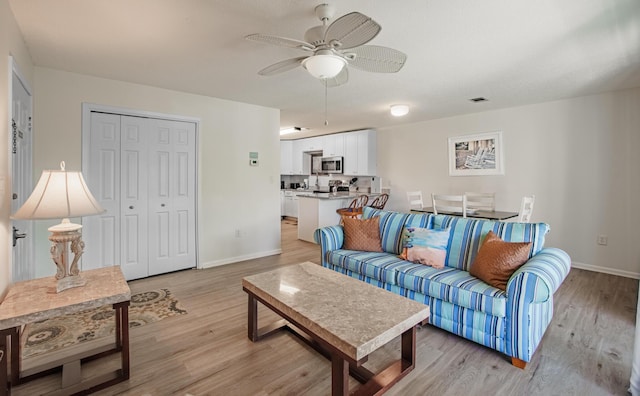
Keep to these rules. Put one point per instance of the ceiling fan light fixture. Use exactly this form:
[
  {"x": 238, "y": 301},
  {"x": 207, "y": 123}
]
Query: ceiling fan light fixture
[
  {"x": 399, "y": 110},
  {"x": 323, "y": 66}
]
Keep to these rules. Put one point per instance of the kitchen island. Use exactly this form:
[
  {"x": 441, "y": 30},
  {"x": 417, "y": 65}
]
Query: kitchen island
[{"x": 316, "y": 210}]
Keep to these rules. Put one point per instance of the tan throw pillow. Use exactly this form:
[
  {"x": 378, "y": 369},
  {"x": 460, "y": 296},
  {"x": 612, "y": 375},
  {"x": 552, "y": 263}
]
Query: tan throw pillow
[
  {"x": 497, "y": 260},
  {"x": 362, "y": 234}
]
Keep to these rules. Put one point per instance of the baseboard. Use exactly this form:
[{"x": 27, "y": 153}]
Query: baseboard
[
  {"x": 236, "y": 259},
  {"x": 606, "y": 270}
]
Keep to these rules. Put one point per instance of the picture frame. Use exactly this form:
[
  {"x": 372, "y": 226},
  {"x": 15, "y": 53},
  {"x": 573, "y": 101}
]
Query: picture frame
[{"x": 476, "y": 155}]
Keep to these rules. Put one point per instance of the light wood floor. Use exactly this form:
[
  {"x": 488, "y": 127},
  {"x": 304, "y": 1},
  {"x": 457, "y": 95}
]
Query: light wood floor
[{"x": 585, "y": 351}]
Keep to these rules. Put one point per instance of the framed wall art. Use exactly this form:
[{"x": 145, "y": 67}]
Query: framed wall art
[{"x": 476, "y": 155}]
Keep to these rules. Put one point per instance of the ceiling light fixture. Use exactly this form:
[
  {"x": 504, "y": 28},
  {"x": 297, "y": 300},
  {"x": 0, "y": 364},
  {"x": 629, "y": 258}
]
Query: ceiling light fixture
[
  {"x": 323, "y": 66},
  {"x": 288, "y": 130},
  {"x": 399, "y": 110}
]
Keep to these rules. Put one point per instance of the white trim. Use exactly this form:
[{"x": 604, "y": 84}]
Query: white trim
[
  {"x": 87, "y": 108},
  {"x": 606, "y": 270},
  {"x": 232, "y": 260}
]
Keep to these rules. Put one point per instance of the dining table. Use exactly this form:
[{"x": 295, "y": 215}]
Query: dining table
[{"x": 476, "y": 214}]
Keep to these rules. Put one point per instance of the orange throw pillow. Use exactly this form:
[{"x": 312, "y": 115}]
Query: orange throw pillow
[
  {"x": 497, "y": 260},
  {"x": 362, "y": 234}
]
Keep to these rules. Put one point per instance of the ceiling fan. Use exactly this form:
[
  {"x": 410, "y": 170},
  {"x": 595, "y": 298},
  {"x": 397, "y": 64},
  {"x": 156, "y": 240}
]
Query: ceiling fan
[{"x": 335, "y": 46}]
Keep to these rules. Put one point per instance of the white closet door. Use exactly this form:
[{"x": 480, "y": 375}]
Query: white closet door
[
  {"x": 134, "y": 258},
  {"x": 171, "y": 196},
  {"x": 101, "y": 234}
]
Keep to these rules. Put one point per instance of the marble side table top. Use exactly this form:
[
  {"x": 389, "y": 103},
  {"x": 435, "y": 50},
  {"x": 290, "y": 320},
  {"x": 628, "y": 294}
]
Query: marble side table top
[
  {"x": 353, "y": 316},
  {"x": 37, "y": 299}
]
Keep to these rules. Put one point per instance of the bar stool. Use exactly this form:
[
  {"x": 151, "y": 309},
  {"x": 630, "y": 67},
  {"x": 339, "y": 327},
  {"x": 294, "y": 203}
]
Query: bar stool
[
  {"x": 380, "y": 201},
  {"x": 355, "y": 208}
]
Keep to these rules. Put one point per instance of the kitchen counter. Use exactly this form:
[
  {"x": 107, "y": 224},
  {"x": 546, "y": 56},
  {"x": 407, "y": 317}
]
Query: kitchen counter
[
  {"x": 337, "y": 195},
  {"x": 318, "y": 210}
]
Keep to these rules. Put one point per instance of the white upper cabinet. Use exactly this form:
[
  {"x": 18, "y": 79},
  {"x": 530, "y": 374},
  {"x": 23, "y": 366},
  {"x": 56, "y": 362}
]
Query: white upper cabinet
[
  {"x": 333, "y": 145},
  {"x": 286, "y": 157},
  {"x": 359, "y": 149},
  {"x": 360, "y": 153},
  {"x": 296, "y": 159}
]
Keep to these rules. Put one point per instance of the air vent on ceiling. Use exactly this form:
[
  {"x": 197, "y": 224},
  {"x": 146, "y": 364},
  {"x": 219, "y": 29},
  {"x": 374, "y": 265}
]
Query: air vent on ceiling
[{"x": 479, "y": 99}]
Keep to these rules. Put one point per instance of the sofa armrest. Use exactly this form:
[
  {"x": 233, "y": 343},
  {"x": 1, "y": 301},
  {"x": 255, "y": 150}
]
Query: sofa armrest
[
  {"x": 541, "y": 276},
  {"x": 329, "y": 238},
  {"x": 530, "y": 300}
]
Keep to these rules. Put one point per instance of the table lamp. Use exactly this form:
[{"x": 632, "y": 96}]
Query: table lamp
[{"x": 60, "y": 195}]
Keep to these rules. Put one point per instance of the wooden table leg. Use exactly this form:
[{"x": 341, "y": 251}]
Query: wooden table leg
[
  {"x": 252, "y": 319},
  {"x": 339, "y": 376},
  {"x": 122, "y": 335},
  {"x": 4, "y": 367},
  {"x": 15, "y": 355},
  {"x": 408, "y": 349}
]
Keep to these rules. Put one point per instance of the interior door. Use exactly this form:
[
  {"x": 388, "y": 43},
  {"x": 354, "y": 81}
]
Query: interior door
[
  {"x": 23, "y": 263},
  {"x": 101, "y": 234},
  {"x": 171, "y": 196},
  {"x": 134, "y": 258}
]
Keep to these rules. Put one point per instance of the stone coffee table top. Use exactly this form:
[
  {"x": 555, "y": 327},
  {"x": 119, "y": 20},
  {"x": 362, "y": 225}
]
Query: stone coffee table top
[{"x": 353, "y": 316}]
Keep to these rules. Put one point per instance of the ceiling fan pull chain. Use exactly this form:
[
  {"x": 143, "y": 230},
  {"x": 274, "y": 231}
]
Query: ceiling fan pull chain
[{"x": 326, "y": 121}]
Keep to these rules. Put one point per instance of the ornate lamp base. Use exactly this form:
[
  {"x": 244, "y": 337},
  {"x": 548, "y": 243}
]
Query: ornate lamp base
[{"x": 62, "y": 235}]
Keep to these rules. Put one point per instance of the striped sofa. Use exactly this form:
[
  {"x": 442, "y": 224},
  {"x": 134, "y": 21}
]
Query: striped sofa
[{"x": 511, "y": 322}]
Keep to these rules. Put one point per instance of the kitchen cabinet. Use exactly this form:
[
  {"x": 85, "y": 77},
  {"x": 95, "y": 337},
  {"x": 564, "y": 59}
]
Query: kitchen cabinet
[
  {"x": 333, "y": 145},
  {"x": 297, "y": 154},
  {"x": 290, "y": 204},
  {"x": 311, "y": 144},
  {"x": 360, "y": 153},
  {"x": 286, "y": 157}
]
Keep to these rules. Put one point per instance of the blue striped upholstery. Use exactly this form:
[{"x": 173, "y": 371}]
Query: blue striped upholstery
[
  {"x": 512, "y": 323},
  {"x": 467, "y": 236},
  {"x": 391, "y": 224}
]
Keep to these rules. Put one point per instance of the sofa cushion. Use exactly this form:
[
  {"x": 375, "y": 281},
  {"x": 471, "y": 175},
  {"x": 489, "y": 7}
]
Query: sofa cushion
[
  {"x": 425, "y": 246},
  {"x": 380, "y": 266},
  {"x": 449, "y": 284},
  {"x": 392, "y": 223},
  {"x": 454, "y": 286},
  {"x": 362, "y": 234},
  {"x": 467, "y": 234},
  {"x": 497, "y": 260}
]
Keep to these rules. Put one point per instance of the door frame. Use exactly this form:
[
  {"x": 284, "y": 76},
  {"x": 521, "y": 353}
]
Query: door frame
[
  {"x": 88, "y": 108},
  {"x": 13, "y": 69}
]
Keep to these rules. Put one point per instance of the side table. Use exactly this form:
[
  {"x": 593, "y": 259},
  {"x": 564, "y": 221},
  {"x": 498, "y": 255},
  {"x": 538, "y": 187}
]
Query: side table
[{"x": 36, "y": 300}]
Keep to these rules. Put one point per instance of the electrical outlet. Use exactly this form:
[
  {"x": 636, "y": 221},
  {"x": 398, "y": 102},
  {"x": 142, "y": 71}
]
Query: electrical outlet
[{"x": 603, "y": 240}]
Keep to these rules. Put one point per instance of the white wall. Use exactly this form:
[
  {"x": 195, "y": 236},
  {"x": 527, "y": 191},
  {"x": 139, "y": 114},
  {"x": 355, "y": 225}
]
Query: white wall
[
  {"x": 11, "y": 44},
  {"x": 580, "y": 157},
  {"x": 232, "y": 195}
]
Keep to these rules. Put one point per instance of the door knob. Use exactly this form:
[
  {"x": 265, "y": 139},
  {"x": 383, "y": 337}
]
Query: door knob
[
  {"x": 17, "y": 236},
  {"x": 162, "y": 205},
  {"x": 131, "y": 207}
]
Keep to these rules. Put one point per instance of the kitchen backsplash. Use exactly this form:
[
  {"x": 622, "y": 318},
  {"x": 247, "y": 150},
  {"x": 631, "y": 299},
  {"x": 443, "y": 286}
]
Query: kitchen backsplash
[{"x": 363, "y": 183}]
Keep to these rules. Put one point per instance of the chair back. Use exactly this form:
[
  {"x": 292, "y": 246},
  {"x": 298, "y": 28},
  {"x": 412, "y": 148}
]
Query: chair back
[
  {"x": 449, "y": 203},
  {"x": 526, "y": 208},
  {"x": 415, "y": 199},
  {"x": 481, "y": 201},
  {"x": 359, "y": 202},
  {"x": 380, "y": 201}
]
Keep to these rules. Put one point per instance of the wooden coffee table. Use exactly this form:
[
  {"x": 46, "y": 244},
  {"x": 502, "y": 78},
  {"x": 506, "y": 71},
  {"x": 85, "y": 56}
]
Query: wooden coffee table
[{"x": 343, "y": 318}]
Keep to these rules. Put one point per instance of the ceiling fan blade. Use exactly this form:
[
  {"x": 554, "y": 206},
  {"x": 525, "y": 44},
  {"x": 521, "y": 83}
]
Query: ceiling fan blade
[
  {"x": 282, "y": 66},
  {"x": 351, "y": 30},
  {"x": 281, "y": 41},
  {"x": 375, "y": 58},
  {"x": 339, "y": 79}
]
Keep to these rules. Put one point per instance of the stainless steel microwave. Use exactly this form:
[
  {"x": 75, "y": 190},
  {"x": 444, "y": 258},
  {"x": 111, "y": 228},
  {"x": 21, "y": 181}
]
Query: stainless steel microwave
[{"x": 332, "y": 165}]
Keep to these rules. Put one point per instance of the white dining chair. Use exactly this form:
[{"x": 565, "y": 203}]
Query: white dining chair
[
  {"x": 449, "y": 203},
  {"x": 415, "y": 199},
  {"x": 526, "y": 208},
  {"x": 480, "y": 201}
]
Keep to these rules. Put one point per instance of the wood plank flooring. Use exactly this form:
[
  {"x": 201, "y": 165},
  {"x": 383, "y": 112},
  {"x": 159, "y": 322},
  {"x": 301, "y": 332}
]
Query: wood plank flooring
[{"x": 586, "y": 350}]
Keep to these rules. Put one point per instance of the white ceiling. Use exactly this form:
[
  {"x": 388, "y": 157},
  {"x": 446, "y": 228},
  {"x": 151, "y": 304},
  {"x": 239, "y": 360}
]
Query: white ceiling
[{"x": 512, "y": 52}]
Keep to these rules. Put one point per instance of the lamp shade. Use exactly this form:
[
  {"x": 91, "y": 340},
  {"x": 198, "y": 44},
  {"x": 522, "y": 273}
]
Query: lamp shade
[
  {"x": 324, "y": 66},
  {"x": 59, "y": 194}
]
